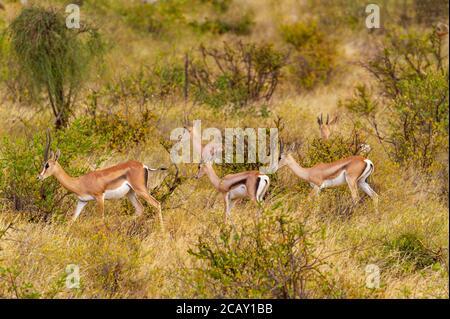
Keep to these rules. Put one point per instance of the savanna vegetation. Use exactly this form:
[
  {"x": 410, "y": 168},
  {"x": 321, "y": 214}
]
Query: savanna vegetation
[{"x": 115, "y": 88}]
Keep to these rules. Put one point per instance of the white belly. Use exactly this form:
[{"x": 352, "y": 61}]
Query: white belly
[
  {"x": 338, "y": 180},
  {"x": 238, "y": 192},
  {"x": 85, "y": 198},
  {"x": 118, "y": 192}
]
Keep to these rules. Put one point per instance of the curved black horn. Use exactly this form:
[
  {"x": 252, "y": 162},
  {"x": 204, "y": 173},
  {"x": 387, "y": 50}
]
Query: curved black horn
[
  {"x": 47, "y": 145},
  {"x": 281, "y": 146}
]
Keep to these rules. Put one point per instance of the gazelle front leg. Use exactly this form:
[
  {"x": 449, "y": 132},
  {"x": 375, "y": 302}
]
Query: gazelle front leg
[
  {"x": 369, "y": 191},
  {"x": 229, "y": 203},
  {"x": 314, "y": 191},
  {"x": 78, "y": 209}
]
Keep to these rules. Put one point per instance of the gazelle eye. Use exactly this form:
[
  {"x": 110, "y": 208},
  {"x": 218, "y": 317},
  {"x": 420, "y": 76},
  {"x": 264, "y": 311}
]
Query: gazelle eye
[{"x": 47, "y": 165}]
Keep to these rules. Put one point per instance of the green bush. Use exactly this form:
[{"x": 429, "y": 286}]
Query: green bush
[
  {"x": 123, "y": 131},
  {"x": 315, "y": 54},
  {"x": 410, "y": 249},
  {"x": 9, "y": 283},
  {"x": 237, "y": 74},
  {"x": 161, "y": 18},
  {"x": 272, "y": 258},
  {"x": 321, "y": 151},
  {"x": 238, "y": 25},
  {"x": 160, "y": 83},
  {"x": 412, "y": 77}
]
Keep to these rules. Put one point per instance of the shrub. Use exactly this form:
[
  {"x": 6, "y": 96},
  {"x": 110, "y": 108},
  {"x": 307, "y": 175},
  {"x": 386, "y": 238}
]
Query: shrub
[
  {"x": 315, "y": 54},
  {"x": 413, "y": 80},
  {"x": 122, "y": 131},
  {"x": 240, "y": 25},
  {"x": 237, "y": 75},
  {"x": 272, "y": 258},
  {"x": 159, "y": 18},
  {"x": 320, "y": 151},
  {"x": 162, "y": 82},
  {"x": 9, "y": 283},
  {"x": 430, "y": 11},
  {"x": 409, "y": 248},
  {"x": 51, "y": 58}
]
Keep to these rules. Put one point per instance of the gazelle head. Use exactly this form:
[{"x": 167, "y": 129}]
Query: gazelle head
[
  {"x": 441, "y": 29},
  {"x": 285, "y": 155},
  {"x": 364, "y": 149},
  {"x": 48, "y": 167},
  {"x": 208, "y": 156},
  {"x": 327, "y": 127},
  {"x": 201, "y": 170}
]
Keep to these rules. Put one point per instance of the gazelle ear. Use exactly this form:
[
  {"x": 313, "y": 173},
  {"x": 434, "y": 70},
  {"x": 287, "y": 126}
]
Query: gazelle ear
[
  {"x": 292, "y": 147},
  {"x": 328, "y": 119},
  {"x": 57, "y": 155},
  {"x": 334, "y": 120},
  {"x": 52, "y": 155}
]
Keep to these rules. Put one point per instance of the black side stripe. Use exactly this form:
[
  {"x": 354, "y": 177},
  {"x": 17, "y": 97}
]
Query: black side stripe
[
  {"x": 241, "y": 182},
  {"x": 146, "y": 177}
]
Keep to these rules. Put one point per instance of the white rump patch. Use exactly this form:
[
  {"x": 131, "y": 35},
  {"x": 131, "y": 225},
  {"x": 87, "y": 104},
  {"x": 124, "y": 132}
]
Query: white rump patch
[{"x": 262, "y": 187}]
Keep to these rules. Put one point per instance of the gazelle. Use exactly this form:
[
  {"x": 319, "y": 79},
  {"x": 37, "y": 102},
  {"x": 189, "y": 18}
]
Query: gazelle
[
  {"x": 327, "y": 128},
  {"x": 353, "y": 170},
  {"x": 128, "y": 178},
  {"x": 249, "y": 184}
]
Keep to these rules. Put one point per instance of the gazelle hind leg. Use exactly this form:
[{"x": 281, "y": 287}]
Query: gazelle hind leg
[
  {"x": 353, "y": 186},
  {"x": 135, "y": 202},
  {"x": 153, "y": 202},
  {"x": 369, "y": 191},
  {"x": 101, "y": 207}
]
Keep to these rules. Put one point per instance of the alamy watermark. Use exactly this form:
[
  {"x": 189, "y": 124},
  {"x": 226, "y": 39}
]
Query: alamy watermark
[
  {"x": 373, "y": 17},
  {"x": 73, "y": 276},
  {"x": 260, "y": 144},
  {"x": 372, "y": 276}
]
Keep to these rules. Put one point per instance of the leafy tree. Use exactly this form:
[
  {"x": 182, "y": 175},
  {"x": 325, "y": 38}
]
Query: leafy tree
[{"x": 52, "y": 58}]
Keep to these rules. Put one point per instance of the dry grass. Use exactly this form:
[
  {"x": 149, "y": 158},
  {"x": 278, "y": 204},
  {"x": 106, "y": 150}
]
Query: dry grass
[{"x": 134, "y": 259}]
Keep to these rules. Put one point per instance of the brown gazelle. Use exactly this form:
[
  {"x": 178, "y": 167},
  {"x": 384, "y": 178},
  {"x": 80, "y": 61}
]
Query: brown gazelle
[
  {"x": 249, "y": 184},
  {"x": 326, "y": 128},
  {"x": 352, "y": 170},
  {"x": 128, "y": 178}
]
